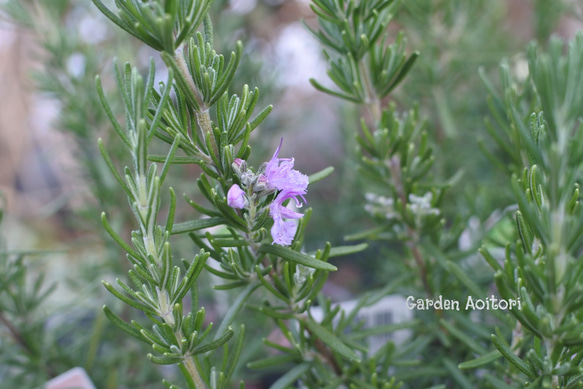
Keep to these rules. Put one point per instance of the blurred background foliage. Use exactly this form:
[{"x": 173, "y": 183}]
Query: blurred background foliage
[{"x": 55, "y": 183}]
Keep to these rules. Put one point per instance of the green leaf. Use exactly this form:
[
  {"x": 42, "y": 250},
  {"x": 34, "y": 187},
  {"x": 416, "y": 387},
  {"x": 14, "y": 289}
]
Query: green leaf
[
  {"x": 194, "y": 270},
  {"x": 493, "y": 262},
  {"x": 347, "y": 250},
  {"x": 322, "y": 88},
  {"x": 512, "y": 358},
  {"x": 272, "y": 361},
  {"x": 456, "y": 374},
  {"x": 120, "y": 323},
  {"x": 230, "y": 365},
  {"x": 216, "y": 343},
  {"x": 195, "y": 225},
  {"x": 229, "y": 243},
  {"x": 112, "y": 168},
  {"x": 187, "y": 376},
  {"x": 114, "y": 18},
  {"x": 297, "y": 257},
  {"x": 117, "y": 238},
  {"x": 164, "y": 360},
  {"x": 381, "y": 329},
  {"x": 497, "y": 383},
  {"x": 179, "y": 160},
  {"x": 110, "y": 114},
  {"x": 273, "y": 313},
  {"x": 370, "y": 234},
  {"x": 464, "y": 279},
  {"x": 267, "y": 285},
  {"x": 285, "y": 381},
  {"x": 331, "y": 340},
  {"x": 403, "y": 72},
  {"x": 169, "y": 158},
  {"x": 171, "y": 211},
  {"x": 236, "y": 306},
  {"x": 133, "y": 303},
  {"x": 461, "y": 336},
  {"x": 261, "y": 115},
  {"x": 313, "y": 178},
  {"x": 231, "y": 285}
]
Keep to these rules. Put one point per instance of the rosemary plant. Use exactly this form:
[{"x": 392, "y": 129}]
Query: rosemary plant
[
  {"x": 539, "y": 130},
  {"x": 193, "y": 113},
  {"x": 396, "y": 156},
  {"x": 188, "y": 121},
  {"x": 25, "y": 345}
]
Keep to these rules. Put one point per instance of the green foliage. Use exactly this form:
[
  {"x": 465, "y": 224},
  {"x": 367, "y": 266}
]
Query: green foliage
[
  {"x": 26, "y": 347},
  {"x": 356, "y": 32},
  {"x": 162, "y": 26},
  {"x": 397, "y": 158},
  {"x": 242, "y": 250},
  {"x": 158, "y": 288},
  {"x": 543, "y": 267},
  {"x": 413, "y": 153},
  {"x": 73, "y": 335}
]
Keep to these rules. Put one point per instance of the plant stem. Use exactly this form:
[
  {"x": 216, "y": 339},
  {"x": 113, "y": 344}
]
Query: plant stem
[
  {"x": 193, "y": 371},
  {"x": 374, "y": 105},
  {"x": 16, "y": 335},
  {"x": 203, "y": 119},
  {"x": 328, "y": 356},
  {"x": 324, "y": 352},
  {"x": 19, "y": 339},
  {"x": 394, "y": 165},
  {"x": 183, "y": 67},
  {"x": 202, "y": 113},
  {"x": 371, "y": 99},
  {"x": 167, "y": 315}
]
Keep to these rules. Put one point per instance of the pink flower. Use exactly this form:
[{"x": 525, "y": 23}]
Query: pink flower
[
  {"x": 291, "y": 184},
  {"x": 283, "y": 231},
  {"x": 277, "y": 175},
  {"x": 236, "y": 197},
  {"x": 281, "y": 175}
]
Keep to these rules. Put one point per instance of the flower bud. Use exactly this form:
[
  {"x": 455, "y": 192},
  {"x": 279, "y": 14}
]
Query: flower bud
[
  {"x": 261, "y": 183},
  {"x": 239, "y": 166},
  {"x": 248, "y": 178},
  {"x": 236, "y": 197}
]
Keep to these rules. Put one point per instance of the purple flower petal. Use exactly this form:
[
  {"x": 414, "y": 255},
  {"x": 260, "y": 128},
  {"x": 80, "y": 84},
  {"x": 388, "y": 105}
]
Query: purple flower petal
[
  {"x": 283, "y": 231},
  {"x": 291, "y": 184},
  {"x": 236, "y": 197},
  {"x": 281, "y": 175}
]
